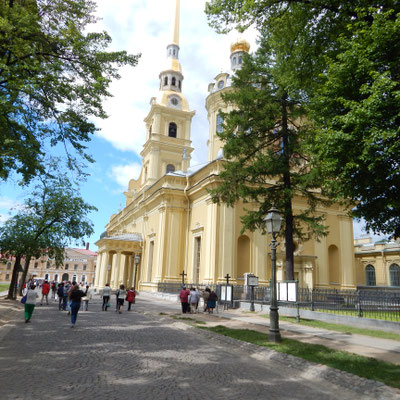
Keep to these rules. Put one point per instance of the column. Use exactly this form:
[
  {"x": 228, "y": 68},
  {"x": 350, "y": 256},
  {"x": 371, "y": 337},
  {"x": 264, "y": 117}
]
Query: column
[
  {"x": 347, "y": 258},
  {"x": 103, "y": 270},
  {"x": 115, "y": 270},
  {"x": 211, "y": 241},
  {"x": 122, "y": 269},
  {"x": 98, "y": 270},
  {"x": 228, "y": 245}
]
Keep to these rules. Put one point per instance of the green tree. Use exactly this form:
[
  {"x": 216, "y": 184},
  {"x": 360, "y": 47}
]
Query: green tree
[
  {"x": 343, "y": 56},
  {"x": 54, "y": 74},
  {"x": 53, "y": 216},
  {"x": 263, "y": 141},
  {"x": 357, "y": 122}
]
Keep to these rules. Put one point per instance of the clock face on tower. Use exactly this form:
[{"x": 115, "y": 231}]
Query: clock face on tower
[
  {"x": 221, "y": 84},
  {"x": 174, "y": 101}
]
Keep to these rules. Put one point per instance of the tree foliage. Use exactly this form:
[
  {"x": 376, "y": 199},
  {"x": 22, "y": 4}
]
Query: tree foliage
[
  {"x": 53, "y": 216},
  {"x": 344, "y": 58},
  {"x": 263, "y": 141},
  {"x": 54, "y": 74}
]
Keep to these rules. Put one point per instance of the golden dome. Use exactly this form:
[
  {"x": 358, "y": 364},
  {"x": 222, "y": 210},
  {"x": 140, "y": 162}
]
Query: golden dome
[{"x": 240, "y": 45}]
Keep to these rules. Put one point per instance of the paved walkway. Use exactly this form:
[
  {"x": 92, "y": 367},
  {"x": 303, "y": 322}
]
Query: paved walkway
[
  {"x": 145, "y": 355},
  {"x": 381, "y": 349}
]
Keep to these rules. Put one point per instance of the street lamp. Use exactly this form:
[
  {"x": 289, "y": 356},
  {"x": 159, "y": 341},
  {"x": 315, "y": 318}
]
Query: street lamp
[
  {"x": 273, "y": 222},
  {"x": 136, "y": 261}
]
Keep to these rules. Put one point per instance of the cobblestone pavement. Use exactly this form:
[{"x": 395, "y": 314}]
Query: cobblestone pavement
[{"x": 145, "y": 355}]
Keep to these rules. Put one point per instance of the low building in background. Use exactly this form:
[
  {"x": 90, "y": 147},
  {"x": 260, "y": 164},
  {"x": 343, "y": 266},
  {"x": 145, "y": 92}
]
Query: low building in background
[
  {"x": 79, "y": 265},
  {"x": 377, "y": 264}
]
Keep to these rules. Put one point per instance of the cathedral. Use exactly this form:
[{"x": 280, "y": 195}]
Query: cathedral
[{"x": 170, "y": 226}]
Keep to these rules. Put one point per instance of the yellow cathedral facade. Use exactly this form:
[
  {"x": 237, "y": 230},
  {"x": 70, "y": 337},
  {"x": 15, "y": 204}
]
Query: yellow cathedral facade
[{"x": 170, "y": 223}]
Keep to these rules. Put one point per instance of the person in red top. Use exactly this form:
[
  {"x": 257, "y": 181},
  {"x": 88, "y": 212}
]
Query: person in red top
[
  {"x": 184, "y": 297},
  {"x": 45, "y": 292},
  {"x": 130, "y": 297}
]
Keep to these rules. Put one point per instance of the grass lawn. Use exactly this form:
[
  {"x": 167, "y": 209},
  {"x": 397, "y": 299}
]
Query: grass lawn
[
  {"x": 4, "y": 287},
  {"x": 365, "y": 367},
  {"x": 342, "y": 328}
]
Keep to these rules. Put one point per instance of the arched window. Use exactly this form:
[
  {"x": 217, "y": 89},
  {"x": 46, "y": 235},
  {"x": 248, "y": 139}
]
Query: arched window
[
  {"x": 83, "y": 279},
  {"x": 56, "y": 277},
  {"x": 180, "y": 85},
  {"x": 234, "y": 61},
  {"x": 240, "y": 60},
  {"x": 220, "y": 122},
  {"x": 166, "y": 81},
  {"x": 370, "y": 278},
  {"x": 170, "y": 168},
  {"x": 334, "y": 265},
  {"x": 243, "y": 256},
  {"x": 173, "y": 81},
  {"x": 394, "y": 272},
  {"x": 65, "y": 277},
  {"x": 48, "y": 264},
  {"x": 73, "y": 278},
  {"x": 46, "y": 277},
  {"x": 172, "y": 129}
]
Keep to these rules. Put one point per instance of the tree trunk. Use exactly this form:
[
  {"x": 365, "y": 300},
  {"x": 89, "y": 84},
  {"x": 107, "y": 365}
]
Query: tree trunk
[
  {"x": 14, "y": 279},
  {"x": 24, "y": 274},
  {"x": 288, "y": 196}
]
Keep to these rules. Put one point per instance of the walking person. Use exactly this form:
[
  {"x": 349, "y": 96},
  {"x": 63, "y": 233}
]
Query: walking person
[
  {"x": 184, "y": 297},
  {"x": 60, "y": 295},
  {"x": 194, "y": 300},
  {"x": 87, "y": 298},
  {"x": 45, "y": 293},
  {"x": 121, "y": 294},
  {"x": 206, "y": 295},
  {"x": 212, "y": 301},
  {"x": 75, "y": 298},
  {"x": 53, "y": 290},
  {"x": 106, "y": 297},
  {"x": 130, "y": 297},
  {"x": 66, "y": 289},
  {"x": 30, "y": 303}
]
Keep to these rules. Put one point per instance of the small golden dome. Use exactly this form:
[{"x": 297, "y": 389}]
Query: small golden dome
[{"x": 240, "y": 45}]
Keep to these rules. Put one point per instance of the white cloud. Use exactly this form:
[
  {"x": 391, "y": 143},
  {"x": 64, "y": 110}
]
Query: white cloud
[
  {"x": 122, "y": 174},
  {"x": 145, "y": 26}
]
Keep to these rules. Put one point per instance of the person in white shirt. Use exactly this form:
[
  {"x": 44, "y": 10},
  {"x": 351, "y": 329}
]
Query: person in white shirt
[
  {"x": 121, "y": 294},
  {"x": 30, "y": 303},
  {"x": 106, "y": 297}
]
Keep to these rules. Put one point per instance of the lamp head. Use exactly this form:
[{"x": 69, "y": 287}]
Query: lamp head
[
  {"x": 137, "y": 259},
  {"x": 273, "y": 221}
]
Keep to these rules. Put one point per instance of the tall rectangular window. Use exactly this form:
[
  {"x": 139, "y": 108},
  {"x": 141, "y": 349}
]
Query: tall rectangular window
[
  {"x": 150, "y": 264},
  {"x": 197, "y": 253}
]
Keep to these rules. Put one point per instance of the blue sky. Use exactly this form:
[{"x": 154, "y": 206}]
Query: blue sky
[{"x": 144, "y": 26}]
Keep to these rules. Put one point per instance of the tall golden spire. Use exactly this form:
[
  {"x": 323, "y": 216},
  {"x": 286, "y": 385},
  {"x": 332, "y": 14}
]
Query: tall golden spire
[{"x": 176, "y": 26}]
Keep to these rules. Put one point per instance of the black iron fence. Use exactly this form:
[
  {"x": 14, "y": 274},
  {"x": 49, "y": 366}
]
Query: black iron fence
[{"x": 378, "y": 304}]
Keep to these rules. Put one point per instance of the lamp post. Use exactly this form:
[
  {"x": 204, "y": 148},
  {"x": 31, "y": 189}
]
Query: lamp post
[
  {"x": 136, "y": 261},
  {"x": 273, "y": 222}
]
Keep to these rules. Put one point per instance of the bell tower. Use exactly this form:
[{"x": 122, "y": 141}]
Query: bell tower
[
  {"x": 214, "y": 102},
  {"x": 168, "y": 124}
]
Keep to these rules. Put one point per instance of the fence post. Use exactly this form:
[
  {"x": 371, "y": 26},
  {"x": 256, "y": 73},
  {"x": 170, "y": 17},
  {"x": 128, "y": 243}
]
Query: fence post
[
  {"x": 359, "y": 309},
  {"x": 312, "y": 299}
]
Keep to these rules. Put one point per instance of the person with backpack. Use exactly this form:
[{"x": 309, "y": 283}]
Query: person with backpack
[
  {"x": 121, "y": 294},
  {"x": 60, "y": 295},
  {"x": 106, "y": 297},
  {"x": 130, "y": 297}
]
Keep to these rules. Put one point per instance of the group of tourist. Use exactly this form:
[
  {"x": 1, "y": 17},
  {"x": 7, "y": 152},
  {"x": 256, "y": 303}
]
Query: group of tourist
[
  {"x": 190, "y": 299},
  {"x": 121, "y": 295},
  {"x": 70, "y": 298}
]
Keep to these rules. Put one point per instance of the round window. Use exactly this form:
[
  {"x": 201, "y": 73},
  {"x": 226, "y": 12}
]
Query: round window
[{"x": 220, "y": 84}]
